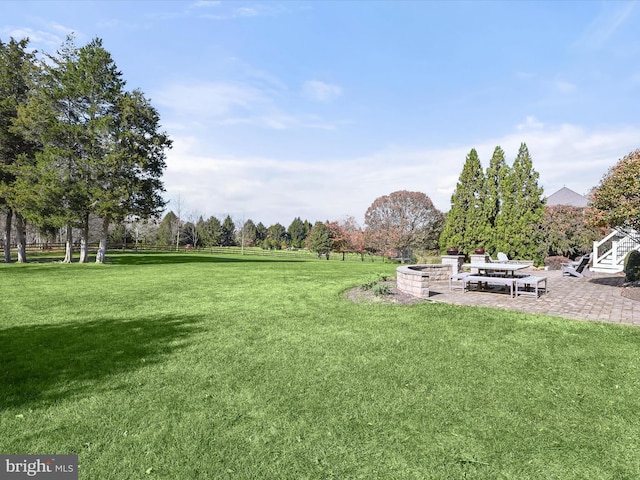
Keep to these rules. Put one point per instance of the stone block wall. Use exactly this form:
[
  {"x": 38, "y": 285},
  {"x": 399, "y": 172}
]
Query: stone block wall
[{"x": 414, "y": 279}]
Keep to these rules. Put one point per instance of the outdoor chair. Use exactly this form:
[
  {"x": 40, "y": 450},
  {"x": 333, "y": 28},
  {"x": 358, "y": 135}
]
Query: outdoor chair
[{"x": 575, "y": 268}]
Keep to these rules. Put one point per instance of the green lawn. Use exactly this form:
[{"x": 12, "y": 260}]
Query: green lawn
[{"x": 204, "y": 367}]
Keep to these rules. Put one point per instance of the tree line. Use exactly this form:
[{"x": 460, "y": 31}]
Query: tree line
[
  {"x": 503, "y": 209},
  {"x": 74, "y": 145},
  {"x": 77, "y": 147}
]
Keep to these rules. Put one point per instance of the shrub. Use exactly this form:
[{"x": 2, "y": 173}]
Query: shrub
[
  {"x": 632, "y": 266},
  {"x": 369, "y": 285},
  {"x": 382, "y": 289},
  {"x": 555, "y": 262}
]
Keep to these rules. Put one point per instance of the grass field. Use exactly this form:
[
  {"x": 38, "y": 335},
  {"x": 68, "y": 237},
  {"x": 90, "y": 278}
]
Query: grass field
[{"x": 206, "y": 367}]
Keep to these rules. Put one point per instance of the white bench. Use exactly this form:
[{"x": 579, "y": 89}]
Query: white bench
[
  {"x": 457, "y": 277},
  {"x": 480, "y": 279},
  {"x": 531, "y": 285}
]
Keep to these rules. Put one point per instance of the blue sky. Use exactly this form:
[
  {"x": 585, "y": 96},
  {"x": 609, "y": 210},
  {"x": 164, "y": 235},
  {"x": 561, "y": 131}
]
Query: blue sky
[{"x": 315, "y": 109}]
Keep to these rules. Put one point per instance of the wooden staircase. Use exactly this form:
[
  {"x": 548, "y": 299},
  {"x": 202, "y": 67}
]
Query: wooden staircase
[{"x": 609, "y": 253}]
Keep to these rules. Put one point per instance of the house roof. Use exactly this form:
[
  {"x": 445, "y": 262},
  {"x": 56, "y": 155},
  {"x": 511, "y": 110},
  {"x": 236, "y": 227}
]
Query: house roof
[{"x": 566, "y": 196}]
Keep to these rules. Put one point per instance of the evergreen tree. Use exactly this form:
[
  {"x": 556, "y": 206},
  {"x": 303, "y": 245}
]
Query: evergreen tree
[
  {"x": 518, "y": 225},
  {"x": 227, "y": 232},
  {"x": 495, "y": 174},
  {"x": 463, "y": 226},
  {"x": 249, "y": 233},
  {"x": 17, "y": 70},
  {"x": 298, "y": 232},
  {"x": 211, "y": 232},
  {"x": 261, "y": 233},
  {"x": 319, "y": 240},
  {"x": 102, "y": 152},
  {"x": 276, "y": 236},
  {"x": 167, "y": 229},
  {"x": 55, "y": 117}
]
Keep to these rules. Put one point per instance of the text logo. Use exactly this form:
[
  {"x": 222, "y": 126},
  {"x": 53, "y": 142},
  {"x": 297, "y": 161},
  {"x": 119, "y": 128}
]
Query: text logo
[{"x": 46, "y": 467}]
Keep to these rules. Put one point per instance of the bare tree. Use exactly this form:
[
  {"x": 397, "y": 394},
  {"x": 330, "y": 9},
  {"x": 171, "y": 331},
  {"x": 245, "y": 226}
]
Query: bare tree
[
  {"x": 179, "y": 207},
  {"x": 193, "y": 219}
]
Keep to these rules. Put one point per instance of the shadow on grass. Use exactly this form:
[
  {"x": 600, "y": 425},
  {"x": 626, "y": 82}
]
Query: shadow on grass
[
  {"x": 150, "y": 258},
  {"x": 48, "y": 363}
]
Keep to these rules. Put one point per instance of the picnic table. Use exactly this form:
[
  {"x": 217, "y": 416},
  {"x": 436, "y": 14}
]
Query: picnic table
[
  {"x": 486, "y": 275},
  {"x": 495, "y": 268}
]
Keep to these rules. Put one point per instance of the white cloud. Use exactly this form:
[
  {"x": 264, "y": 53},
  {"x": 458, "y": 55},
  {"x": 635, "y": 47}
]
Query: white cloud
[
  {"x": 226, "y": 103},
  {"x": 530, "y": 122},
  {"x": 269, "y": 190},
  {"x": 563, "y": 86},
  {"x": 208, "y": 100},
  {"x": 48, "y": 40},
  {"x": 613, "y": 16},
  {"x": 320, "y": 91}
]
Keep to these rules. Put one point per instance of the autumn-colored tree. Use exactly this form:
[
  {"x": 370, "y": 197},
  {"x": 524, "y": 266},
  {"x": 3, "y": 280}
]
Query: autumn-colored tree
[
  {"x": 615, "y": 202},
  {"x": 354, "y": 235},
  {"x": 339, "y": 238},
  {"x": 566, "y": 232},
  {"x": 400, "y": 221}
]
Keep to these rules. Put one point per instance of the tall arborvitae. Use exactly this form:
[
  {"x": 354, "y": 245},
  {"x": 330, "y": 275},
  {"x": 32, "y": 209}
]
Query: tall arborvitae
[
  {"x": 522, "y": 210},
  {"x": 464, "y": 227},
  {"x": 496, "y": 172}
]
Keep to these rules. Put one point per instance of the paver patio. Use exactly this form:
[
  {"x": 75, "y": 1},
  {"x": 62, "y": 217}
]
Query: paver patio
[{"x": 595, "y": 297}]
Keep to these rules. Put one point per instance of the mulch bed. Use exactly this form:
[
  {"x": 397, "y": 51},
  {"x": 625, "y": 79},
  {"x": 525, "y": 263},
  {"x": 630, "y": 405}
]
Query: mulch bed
[{"x": 631, "y": 291}]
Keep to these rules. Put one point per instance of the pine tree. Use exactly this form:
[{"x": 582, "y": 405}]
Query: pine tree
[
  {"x": 211, "y": 232},
  {"x": 17, "y": 70},
  {"x": 227, "y": 232},
  {"x": 297, "y": 232}
]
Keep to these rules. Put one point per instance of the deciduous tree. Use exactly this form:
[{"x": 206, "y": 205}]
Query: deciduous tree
[
  {"x": 566, "y": 232},
  {"x": 615, "y": 202},
  {"x": 400, "y": 221}
]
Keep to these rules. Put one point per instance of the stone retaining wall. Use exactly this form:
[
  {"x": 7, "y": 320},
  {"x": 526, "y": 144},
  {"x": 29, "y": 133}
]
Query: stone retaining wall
[{"x": 414, "y": 279}]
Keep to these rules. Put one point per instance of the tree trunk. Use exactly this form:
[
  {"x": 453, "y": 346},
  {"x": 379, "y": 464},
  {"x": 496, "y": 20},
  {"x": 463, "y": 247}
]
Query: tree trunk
[
  {"x": 68, "y": 251},
  {"x": 21, "y": 238},
  {"x": 84, "y": 241},
  {"x": 104, "y": 234},
  {"x": 7, "y": 237}
]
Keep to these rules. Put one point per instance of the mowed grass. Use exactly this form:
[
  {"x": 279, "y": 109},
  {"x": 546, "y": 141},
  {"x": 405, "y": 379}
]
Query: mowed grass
[{"x": 207, "y": 367}]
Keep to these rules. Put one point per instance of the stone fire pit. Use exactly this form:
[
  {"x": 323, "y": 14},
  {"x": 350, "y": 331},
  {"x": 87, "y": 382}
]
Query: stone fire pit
[{"x": 414, "y": 279}]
